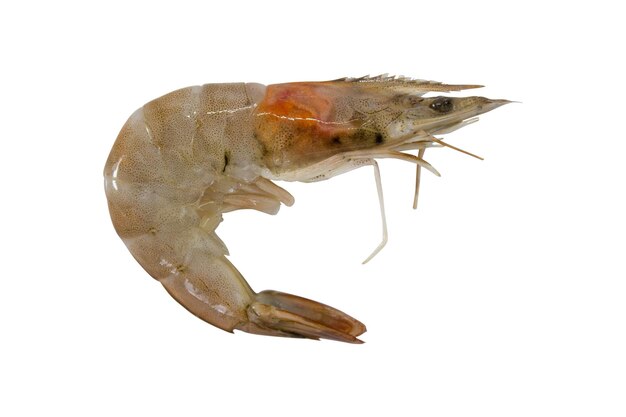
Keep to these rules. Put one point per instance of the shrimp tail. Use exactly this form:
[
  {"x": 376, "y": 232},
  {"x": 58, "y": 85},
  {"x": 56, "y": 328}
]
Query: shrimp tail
[{"x": 280, "y": 314}]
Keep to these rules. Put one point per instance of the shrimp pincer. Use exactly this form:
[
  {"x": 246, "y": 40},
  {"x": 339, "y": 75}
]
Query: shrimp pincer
[{"x": 183, "y": 160}]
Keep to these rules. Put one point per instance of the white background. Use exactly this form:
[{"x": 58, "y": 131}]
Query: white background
[{"x": 502, "y": 295}]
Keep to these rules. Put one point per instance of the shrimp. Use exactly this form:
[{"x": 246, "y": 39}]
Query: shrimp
[{"x": 183, "y": 160}]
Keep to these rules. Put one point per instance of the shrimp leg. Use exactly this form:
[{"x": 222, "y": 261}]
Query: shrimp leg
[
  {"x": 381, "y": 203},
  {"x": 418, "y": 175}
]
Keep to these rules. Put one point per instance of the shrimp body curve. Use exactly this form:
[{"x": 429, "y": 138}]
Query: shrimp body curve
[{"x": 183, "y": 160}]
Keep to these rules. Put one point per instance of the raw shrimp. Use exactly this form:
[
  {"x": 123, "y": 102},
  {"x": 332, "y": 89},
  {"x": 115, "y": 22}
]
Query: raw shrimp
[{"x": 183, "y": 160}]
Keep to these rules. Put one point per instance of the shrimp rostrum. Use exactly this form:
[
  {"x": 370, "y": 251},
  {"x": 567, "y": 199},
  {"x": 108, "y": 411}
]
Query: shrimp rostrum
[{"x": 183, "y": 160}]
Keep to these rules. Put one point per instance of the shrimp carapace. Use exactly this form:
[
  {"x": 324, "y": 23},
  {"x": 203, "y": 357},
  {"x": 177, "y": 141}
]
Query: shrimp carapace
[
  {"x": 183, "y": 160},
  {"x": 302, "y": 126}
]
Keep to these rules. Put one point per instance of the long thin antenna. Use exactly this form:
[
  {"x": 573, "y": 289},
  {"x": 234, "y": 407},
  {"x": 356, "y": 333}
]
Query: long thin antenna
[{"x": 442, "y": 143}]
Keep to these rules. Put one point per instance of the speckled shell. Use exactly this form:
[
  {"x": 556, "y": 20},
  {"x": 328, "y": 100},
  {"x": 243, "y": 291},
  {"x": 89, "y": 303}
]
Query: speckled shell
[{"x": 166, "y": 156}]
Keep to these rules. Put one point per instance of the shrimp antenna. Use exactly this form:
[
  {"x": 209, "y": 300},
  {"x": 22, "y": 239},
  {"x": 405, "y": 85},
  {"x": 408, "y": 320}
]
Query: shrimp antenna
[
  {"x": 447, "y": 145},
  {"x": 420, "y": 155}
]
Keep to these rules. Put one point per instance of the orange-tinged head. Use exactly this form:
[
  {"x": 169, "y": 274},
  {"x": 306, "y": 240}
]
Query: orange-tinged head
[
  {"x": 314, "y": 130},
  {"x": 303, "y": 123}
]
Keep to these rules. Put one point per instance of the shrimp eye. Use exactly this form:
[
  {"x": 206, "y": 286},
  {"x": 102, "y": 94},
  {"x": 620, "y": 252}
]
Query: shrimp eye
[{"x": 441, "y": 104}]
